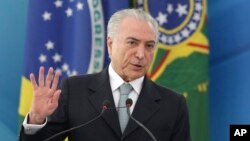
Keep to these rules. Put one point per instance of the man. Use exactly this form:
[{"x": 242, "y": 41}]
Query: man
[{"x": 132, "y": 38}]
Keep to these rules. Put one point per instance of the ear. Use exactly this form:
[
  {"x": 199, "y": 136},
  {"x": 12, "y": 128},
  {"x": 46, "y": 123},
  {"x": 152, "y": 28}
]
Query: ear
[{"x": 109, "y": 45}]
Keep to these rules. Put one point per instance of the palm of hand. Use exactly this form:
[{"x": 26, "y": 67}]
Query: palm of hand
[{"x": 46, "y": 95}]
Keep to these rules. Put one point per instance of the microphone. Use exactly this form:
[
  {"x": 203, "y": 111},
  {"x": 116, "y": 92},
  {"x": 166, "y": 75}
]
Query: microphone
[
  {"x": 129, "y": 103},
  {"x": 105, "y": 107}
]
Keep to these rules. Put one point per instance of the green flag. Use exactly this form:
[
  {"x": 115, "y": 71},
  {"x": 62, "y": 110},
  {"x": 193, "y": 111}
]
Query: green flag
[{"x": 181, "y": 59}]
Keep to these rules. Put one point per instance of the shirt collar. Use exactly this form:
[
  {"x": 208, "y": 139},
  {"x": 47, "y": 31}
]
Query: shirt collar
[{"x": 116, "y": 81}]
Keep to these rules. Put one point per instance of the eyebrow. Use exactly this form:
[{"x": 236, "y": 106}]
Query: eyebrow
[{"x": 132, "y": 38}]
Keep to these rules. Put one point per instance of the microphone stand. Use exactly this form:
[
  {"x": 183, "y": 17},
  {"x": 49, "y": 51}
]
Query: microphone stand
[
  {"x": 104, "y": 108},
  {"x": 129, "y": 102}
]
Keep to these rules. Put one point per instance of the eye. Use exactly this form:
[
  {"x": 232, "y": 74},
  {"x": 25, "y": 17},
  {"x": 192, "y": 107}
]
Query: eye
[
  {"x": 150, "y": 46},
  {"x": 132, "y": 43}
]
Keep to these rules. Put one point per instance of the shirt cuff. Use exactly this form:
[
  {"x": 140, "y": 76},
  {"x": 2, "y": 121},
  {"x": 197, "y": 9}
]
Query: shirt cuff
[{"x": 31, "y": 129}]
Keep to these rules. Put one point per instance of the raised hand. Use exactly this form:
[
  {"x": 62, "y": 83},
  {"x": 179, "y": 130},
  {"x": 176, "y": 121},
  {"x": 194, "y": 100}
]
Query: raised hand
[{"x": 45, "y": 97}]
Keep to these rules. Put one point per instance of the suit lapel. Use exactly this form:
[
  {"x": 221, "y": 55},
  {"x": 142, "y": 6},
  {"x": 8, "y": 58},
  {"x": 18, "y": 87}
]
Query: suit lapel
[
  {"x": 145, "y": 107},
  {"x": 100, "y": 91}
]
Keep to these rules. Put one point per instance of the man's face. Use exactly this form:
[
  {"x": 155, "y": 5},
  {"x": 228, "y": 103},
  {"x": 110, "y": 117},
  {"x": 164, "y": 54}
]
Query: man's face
[{"x": 132, "y": 49}]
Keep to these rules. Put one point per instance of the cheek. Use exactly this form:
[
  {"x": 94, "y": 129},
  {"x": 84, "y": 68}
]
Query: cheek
[
  {"x": 120, "y": 57},
  {"x": 149, "y": 57},
  {"x": 115, "y": 51},
  {"x": 126, "y": 54}
]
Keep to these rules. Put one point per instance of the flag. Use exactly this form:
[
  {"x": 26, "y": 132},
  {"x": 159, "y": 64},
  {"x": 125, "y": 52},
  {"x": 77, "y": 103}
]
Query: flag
[
  {"x": 68, "y": 35},
  {"x": 181, "y": 59}
]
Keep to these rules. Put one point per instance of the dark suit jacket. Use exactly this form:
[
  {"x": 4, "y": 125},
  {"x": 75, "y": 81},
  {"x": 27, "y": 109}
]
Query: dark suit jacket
[{"x": 162, "y": 111}]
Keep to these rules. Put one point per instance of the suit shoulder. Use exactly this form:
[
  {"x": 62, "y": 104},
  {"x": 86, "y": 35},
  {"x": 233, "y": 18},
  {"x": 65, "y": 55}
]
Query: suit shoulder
[
  {"x": 83, "y": 77},
  {"x": 84, "y": 80}
]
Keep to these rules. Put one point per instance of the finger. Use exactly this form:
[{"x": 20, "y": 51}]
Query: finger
[
  {"x": 55, "y": 98},
  {"x": 55, "y": 81},
  {"x": 49, "y": 77},
  {"x": 33, "y": 81},
  {"x": 41, "y": 76}
]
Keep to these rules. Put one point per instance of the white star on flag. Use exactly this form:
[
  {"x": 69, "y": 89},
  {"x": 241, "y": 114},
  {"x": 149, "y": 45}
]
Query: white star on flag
[
  {"x": 74, "y": 72},
  {"x": 46, "y": 16},
  {"x": 185, "y": 33},
  {"x": 177, "y": 38},
  {"x": 198, "y": 7},
  {"x": 170, "y": 8},
  {"x": 170, "y": 40},
  {"x": 181, "y": 10},
  {"x": 57, "y": 58},
  {"x": 197, "y": 16},
  {"x": 163, "y": 38},
  {"x": 69, "y": 12},
  {"x": 162, "y": 18},
  {"x": 192, "y": 26},
  {"x": 65, "y": 67},
  {"x": 79, "y": 6},
  {"x": 140, "y": 1},
  {"x": 42, "y": 58},
  {"x": 58, "y": 3},
  {"x": 49, "y": 45}
]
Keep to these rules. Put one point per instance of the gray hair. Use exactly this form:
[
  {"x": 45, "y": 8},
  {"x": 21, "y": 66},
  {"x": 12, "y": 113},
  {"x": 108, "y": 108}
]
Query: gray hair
[{"x": 117, "y": 17}]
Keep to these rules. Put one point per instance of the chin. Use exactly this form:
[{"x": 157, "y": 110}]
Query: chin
[
  {"x": 136, "y": 76},
  {"x": 133, "y": 74}
]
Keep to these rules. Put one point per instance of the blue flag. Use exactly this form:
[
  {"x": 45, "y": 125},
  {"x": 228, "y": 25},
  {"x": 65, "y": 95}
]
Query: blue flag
[
  {"x": 68, "y": 35},
  {"x": 60, "y": 35}
]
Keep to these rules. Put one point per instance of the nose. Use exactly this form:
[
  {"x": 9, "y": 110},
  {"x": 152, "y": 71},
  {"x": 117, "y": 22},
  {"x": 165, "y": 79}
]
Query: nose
[{"x": 140, "y": 52}]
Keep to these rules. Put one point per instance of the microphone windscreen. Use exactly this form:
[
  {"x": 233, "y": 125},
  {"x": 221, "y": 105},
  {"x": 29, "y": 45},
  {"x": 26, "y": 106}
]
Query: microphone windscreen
[
  {"x": 106, "y": 104},
  {"x": 129, "y": 102}
]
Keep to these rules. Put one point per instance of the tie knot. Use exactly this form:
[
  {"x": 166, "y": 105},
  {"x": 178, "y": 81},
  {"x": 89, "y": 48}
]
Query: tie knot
[{"x": 125, "y": 88}]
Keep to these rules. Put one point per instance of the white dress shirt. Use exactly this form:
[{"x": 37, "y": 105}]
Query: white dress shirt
[{"x": 115, "y": 82}]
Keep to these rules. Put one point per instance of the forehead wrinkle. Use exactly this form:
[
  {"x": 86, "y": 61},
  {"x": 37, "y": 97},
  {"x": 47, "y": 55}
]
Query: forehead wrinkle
[{"x": 133, "y": 38}]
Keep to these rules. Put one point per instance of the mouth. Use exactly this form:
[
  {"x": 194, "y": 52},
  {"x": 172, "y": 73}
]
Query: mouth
[{"x": 138, "y": 66}]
